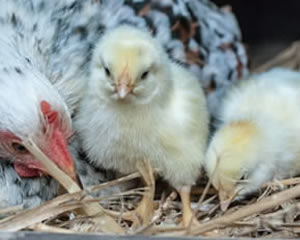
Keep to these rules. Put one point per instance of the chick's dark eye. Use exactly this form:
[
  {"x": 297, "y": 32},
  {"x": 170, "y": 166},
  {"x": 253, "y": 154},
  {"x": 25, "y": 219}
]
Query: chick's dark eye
[
  {"x": 144, "y": 75},
  {"x": 19, "y": 148},
  {"x": 107, "y": 72}
]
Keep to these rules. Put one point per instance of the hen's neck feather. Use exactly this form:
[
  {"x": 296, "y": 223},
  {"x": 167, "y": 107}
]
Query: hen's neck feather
[{"x": 23, "y": 83}]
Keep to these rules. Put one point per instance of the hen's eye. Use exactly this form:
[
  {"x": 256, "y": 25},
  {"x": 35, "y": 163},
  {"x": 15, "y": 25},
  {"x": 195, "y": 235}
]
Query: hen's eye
[
  {"x": 144, "y": 75},
  {"x": 19, "y": 148},
  {"x": 107, "y": 72}
]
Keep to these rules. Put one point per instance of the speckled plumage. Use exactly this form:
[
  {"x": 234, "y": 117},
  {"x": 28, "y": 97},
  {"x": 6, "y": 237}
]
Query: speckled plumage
[
  {"x": 196, "y": 33},
  {"x": 52, "y": 42},
  {"x": 23, "y": 83},
  {"x": 30, "y": 192}
]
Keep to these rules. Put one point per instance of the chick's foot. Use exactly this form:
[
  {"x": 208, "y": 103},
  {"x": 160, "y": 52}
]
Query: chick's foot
[
  {"x": 145, "y": 209},
  {"x": 188, "y": 217}
]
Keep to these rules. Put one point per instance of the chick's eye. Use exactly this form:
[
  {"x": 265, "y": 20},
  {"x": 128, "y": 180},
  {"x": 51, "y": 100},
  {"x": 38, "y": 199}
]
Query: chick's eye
[
  {"x": 19, "y": 148},
  {"x": 107, "y": 72},
  {"x": 144, "y": 75}
]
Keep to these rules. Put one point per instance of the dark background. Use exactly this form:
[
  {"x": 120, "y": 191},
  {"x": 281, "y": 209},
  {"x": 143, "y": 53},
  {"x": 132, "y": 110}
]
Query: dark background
[{"x": 267, "y": 26}]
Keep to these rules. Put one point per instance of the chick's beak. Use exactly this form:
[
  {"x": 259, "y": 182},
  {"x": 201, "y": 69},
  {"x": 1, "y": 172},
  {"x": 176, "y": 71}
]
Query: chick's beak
[{"x": 124, "y": 84}]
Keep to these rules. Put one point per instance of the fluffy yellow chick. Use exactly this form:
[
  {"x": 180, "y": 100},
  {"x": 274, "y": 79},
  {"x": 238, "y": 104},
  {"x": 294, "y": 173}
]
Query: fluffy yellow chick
[
  {"x": 139, "y": 105},
  {"x": 259, "y": 138}
]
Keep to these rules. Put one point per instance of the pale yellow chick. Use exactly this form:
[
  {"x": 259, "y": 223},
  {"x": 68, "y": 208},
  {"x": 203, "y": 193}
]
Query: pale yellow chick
[
  {"x": 259, "y": 138},
  {"x": 139, "y": 105}
]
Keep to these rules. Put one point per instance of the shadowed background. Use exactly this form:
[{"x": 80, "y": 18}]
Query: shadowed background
[{"x": 267, "y": 27}]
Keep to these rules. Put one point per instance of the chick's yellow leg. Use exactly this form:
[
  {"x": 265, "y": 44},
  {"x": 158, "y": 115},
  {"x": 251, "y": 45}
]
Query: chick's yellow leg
[
  {"x": 145, "y": 209},
  {"x": 187, "y": 212}
]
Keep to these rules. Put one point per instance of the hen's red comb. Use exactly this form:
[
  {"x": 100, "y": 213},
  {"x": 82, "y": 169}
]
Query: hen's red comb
[{"x": 50, "y": 115}]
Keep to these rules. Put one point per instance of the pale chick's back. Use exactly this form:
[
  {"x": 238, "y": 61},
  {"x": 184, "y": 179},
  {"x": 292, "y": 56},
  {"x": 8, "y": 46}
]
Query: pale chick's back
[
  {"x": 258, "y": 139},
  {"x": 139, "y": 105}
]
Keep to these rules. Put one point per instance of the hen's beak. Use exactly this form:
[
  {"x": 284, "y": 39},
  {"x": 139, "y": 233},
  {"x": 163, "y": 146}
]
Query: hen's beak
[{"x": 124, "y": 84}]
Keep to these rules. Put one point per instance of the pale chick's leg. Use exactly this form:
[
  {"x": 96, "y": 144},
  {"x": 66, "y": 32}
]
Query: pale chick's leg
[
  {"x": 143, "y": 213},
  {"x": 187, "y": 212},
  {"x": 145, "y": 209}
]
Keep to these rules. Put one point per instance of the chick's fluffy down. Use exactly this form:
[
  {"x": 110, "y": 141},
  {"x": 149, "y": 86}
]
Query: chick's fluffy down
[
  {"x": 259, "y": 138},
  {"x": 164, "y": 119}
]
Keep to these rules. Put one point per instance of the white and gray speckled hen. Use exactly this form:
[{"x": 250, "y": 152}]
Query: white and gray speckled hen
[
  {"x": 30, "y": 107},
  {"x": 53, "y": 40}
]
